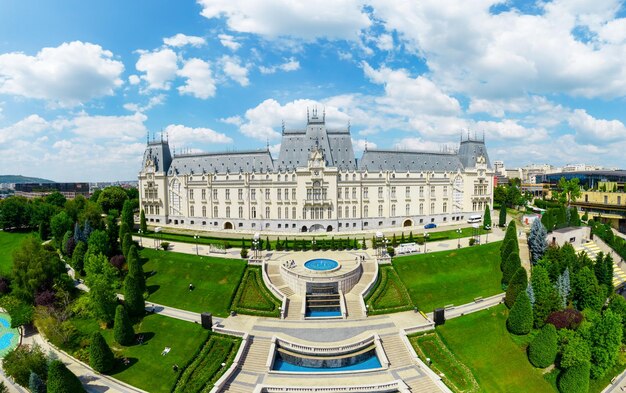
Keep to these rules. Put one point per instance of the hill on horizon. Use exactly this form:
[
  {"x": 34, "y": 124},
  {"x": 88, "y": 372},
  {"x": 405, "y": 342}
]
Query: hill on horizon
[{"x": 22, "y": 179}]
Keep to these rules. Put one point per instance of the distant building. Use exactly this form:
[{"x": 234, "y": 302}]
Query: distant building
[
  {"x": 69, "y": 190},
  {"x": 315, "y": 184}
]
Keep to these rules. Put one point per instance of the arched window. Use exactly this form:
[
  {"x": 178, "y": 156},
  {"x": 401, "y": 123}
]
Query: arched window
[
  {"x": 303, "y": 213},
  {"x": 421, "y": 208},
  {"x": 267, "y": 212},
  {"x": 286, "y": 212},
  {"x": 445, "y": 207},
  {"x": 347, "y": 212},
  {"x": 330, "y": 213},
  {"x": 339, "y": 215},
  {"x": 432, "y": 208},
  {"x": 293, "y": 214},
  {"x": 353, "y": 211}
]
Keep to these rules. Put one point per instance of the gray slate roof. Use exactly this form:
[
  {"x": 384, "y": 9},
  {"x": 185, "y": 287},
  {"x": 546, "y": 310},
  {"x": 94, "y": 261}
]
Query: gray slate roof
[
  {"x": 159, "y": 153},
  {"x": 414, "y": 161},
  {"x": 223, "y": 162}
]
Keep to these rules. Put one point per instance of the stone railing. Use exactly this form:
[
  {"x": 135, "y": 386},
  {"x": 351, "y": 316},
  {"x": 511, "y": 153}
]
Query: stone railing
[
  {"x": 274, "y": 290},
  {"x": 385, "y": 387},
  {"x": 318, "y": 276},
  {"x": 430, "y": 373},
  {"x": 220, "y": 383},
  {"x": 218, "y": 329},
  {"x": 367, "y": 289}
]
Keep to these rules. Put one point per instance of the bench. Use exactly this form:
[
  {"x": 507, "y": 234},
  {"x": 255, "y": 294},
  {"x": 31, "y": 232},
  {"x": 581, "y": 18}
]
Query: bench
[{"x": 478, "y": 299}]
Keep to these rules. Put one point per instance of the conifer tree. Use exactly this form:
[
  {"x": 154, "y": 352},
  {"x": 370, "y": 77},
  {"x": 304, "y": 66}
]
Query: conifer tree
[
  {"x": 142, "y": 222},
  {"x": 537, "y": 242},
  {"x": 62, "y": 380},
  {"x": 520, "y": 319},
  {"x": 133, "y": 296},
  {"x": 518, "y": 284},
  {"x": 542, "y": 350},
  {"x": 135, "y": 267},
  {"x": 128, "y": 215},
  {"x": 511, "y": 265},
  {"x": 502, "y": 216},
  {"x": 487, "y": 218},
  {"x": 575, "y": 379},
  {"x": 100, "y": 355},
  {"x": 123, "y": 329},
  {"x": 563, "y": 287},
  {"x": 546, "y": 298},
  {"x": 127, "y": 243},
  {"x": 36, "y": 384}
]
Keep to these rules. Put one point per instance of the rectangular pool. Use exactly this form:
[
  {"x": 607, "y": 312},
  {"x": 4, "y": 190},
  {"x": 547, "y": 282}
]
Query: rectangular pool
[
  {"x": 323, "y": 313},
  {"x": 369, "y": 363}
]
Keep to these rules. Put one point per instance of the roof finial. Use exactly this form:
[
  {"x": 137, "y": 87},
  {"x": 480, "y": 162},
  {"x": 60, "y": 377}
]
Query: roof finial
[
  {"x": 283, "y": 127},
  {"x": 267, "y": 143},
  {"x": 161, "y": 135},
  {"x": 324, "y": 115},
  {"x": 365, "y": 144},
  {"x": 348, "y": 125},
  {"x": 147, "y": 137},
  {"x": 308, "y": 119}
]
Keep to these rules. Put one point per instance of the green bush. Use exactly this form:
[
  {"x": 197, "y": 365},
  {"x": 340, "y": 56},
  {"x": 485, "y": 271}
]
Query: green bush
[
  {"x": 61, "y": 380},
  {"x": 135, "y": 267},
  {"x": 542, "y": 350},
  {"x": 575, "y": 379},
  {"x": 511, "y": 265},
  {"x": 100, "y": 355},
  {"x": 165, "y": 245},
  {"x": 518, "y": 283},
  {"x": 123, "y": 330},
  {"x": 508, "y": 246},
  {"x": 244, "y": 253},
  {"x": 520, "y": 319},
  {"x": 19, "y": 363}
]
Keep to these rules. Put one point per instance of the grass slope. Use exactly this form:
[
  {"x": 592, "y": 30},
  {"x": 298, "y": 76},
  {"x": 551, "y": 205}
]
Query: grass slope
[
  {"x": 9, "y": 242},
  {"x": 451, "y": 277},
  {"x": 169, "y": 275},
  {"x": 389, "y": 295},
  {"x": 481, "y": 342},
  {"x": 253, "y": 297}
]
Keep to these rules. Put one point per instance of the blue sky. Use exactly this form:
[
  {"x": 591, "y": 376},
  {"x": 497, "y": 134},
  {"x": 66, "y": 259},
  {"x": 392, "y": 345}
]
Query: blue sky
[{"x": 82, "y": 83}]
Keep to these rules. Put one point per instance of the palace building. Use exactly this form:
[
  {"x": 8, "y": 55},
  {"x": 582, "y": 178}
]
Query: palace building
[{"x": 315, "y": 184}]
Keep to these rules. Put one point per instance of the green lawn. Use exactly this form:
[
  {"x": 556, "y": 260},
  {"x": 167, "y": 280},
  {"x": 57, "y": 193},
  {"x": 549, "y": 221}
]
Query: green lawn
[
  {"x": 9, "y": 241},
  {"x": 451, "y": 277},
  {"x": 389, "y": 295},
  {"x": 169, "y": 274},
  {"x": 253, "y": 297},
  {"x": 481, "y": 342}
]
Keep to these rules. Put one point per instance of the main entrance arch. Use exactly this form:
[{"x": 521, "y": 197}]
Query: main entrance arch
[
  {"x": 228, "y": 225},
  {"x": 316, "y": 228},
  {"x": 407, "y": 223}
]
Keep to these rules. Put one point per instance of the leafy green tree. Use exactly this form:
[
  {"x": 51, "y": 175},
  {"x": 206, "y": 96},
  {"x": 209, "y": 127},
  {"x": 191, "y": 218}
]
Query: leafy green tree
[
  {"x": 34, "y": 268},
  {"x": 517, "y": 285},
  {"x": 123, "y": 331},
  {"x": 133, "y": 296},
  {"x": 128, "y": 214},
  {"x": 14, "y": 212},
  {"x": 604, "y": 335},
  {"x": 98, "y": 243},
  {"x": 92, "y": 213},
  {"x": 570, "y": 190},
  {"x": 56, "y": 199},
  {"x": 487, "y": 218},
  {"x": 546, "y": 298},
  {"x": 62, "y": 380},
  {"x": 142, "y": 222},
  {"x": 574, "y": 350},
  {"x": 100, "y": 355},
  {"x": 112, "y": 198},
  {"x": 537, "y": 242},
  {"x": 574, "y": 219},
  {"x": 36, "y": 384},
  {"x": 59, "y": 224},
  {"x": 520, "y": 319},
  {"x": 78, "y": 257},
  {"x": 21, "y": 312},
  {"x": 542, "y": 350},
  {"x": 511, "y": 265},
  {"x": 101, "y": 280},
  {"x": 575, "y": 379},
  {"x": 502, "y": 216},
  {"x": 586, "y": 292},
  {"x": 617, "y": 304},
  {"x": 603, "y": 270},
  {"x": 25, "y": 359}
]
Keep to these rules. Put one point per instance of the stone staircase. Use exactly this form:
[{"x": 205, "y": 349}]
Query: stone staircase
[
  {"x": 256, "y": 355},
  {"x": 396, "y": 351},
  {"x": 592, "y": 250},
  {"x": 295, "y": 308},
  {"x": 273, "y": 272},
  {"x": 353, "y": 306},
  {"x": 234, "y": 387}
]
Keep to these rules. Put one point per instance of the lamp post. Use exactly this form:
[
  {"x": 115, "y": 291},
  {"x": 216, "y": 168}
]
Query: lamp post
[
  {"x": 140, "y": 238},
  {"x": 196, "y": 237},
  {"x": 459, "y": 243},
  {"x": 313, "y": 242},
  {"x": 385, "y": 244},
  {"x": 255, "y": 244},
  {"x": 425, "y": 236}
]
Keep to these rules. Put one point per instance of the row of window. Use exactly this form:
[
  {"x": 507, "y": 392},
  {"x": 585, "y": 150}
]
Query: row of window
[{"x": 407, "y": 192}]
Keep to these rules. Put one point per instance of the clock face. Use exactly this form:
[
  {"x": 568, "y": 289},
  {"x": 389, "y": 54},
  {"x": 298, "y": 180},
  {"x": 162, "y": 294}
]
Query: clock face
[{"x": 316, "y": 173}]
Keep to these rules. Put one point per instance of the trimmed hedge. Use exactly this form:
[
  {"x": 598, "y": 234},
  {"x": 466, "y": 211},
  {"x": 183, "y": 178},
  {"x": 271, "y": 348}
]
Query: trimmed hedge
[
  {"x": 253, "y": 298},
  {"x": 520, "y": 319},
  {"x": 542, "y": 350},
  {"x": 575, "y": 379},
  {"x": 389, "y": 295}
]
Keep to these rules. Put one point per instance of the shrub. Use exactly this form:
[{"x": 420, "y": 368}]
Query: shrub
[
  {"x": 24, "y": 359},
  {"x": 391, "y": 251},
  {"x": 123, "y": 329},
  {"x": 165, "y": 245},
  {"x": 575, "y": 379},
  {"x": 45, "y": 298},
  {"x": 100, "y": 355},
  {"x": 565, "y": 319},
  {"x": 36, "y": 384},
  {"x": 518, "y": 283},
  {"x": 542, "y": 350},
  {"x": 472, "y": 241},
  {"x": 244, "y": 253},
  {"x": 520, "y": 319},
  {"x": 61, "y": 380},
  {"x": 127, "y": 241},
  {"x": 511, "y": 265},
  {"x": 118, "y": 262},
  {"x": 5, "y": 286}
]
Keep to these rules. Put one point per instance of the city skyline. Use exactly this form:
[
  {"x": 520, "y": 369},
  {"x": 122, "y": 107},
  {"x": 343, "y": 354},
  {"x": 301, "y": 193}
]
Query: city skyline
[{"x": 81, "y": 85}]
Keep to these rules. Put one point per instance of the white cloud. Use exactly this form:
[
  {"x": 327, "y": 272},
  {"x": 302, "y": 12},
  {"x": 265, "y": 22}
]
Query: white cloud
[
  {"x": 27, "y": 127},
  {"x": 181, "y": 40},
  {"x": 418, "y": 144},
  {"x": 406, "y": 95},
  {"x": 360, "y": 145},
  {"x": 233, "y": 69},
  {"x": 510, "y": 130},
  {"x": 159, "y": 67},
  {"x": 134, "y": 79},
  {"x": 589, "y": 128},
  {"x": 384, "y": 42},
  {"x": 289, "y": 65},
  {"x": 120, "y": 128},
  {"x": 152, "y": 102},
  {"x": 302, "y": 20},
  {"x": 229, "y": 42},
  {"x": 67, "y": 75},
  {"x": 183, "y": 135},
  {"x": 200, "y": 82},
  {"x": 234, "y": 120}
]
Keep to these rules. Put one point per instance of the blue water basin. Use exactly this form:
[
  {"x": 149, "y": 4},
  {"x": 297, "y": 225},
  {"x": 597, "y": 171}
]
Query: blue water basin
[
  {"x": 369, "y": 363},
  {"x": 6, "y": 340},
  {"x": 321, "y": 264},
  {"x": 324, "y": 313}
]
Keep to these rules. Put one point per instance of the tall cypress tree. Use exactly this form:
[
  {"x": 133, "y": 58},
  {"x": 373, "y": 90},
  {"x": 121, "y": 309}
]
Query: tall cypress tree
[
  {"x": 128, "y": 215},
  {"x": 142, "y": 222},
  {"x": 133, "y": 296},
  {"x": 511, "y": 265},
  {"x": 502, "y": 216},
  {"x": 135, "y": 268},
  {"x": 100, "y": 355},
  {"x": 123, "y": 329},
  {"x": 487, "y": 218},
  {"x": 520, "y": 319},
  {"x": 62, "y": 380},
  {"x": 546, "y": 298},
  {"x": 517, "y": 285}
]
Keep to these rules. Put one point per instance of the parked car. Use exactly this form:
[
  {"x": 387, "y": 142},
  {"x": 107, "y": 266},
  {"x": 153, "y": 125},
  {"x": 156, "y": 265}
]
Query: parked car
[{"x": 430, "y": 225}]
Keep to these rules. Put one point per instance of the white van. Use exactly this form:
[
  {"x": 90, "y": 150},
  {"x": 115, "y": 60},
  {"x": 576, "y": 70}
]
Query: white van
[{"x": 475, "y": 218}]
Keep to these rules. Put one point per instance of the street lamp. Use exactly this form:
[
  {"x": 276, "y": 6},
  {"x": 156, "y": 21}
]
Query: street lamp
[
  {"x": 255, "y": 244},
  {"x": 313, "y": 242},
  {"x": 140, "y": 238},
  {"x": 459, "y": 243},
  {"x": 196, "y": 237}
]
